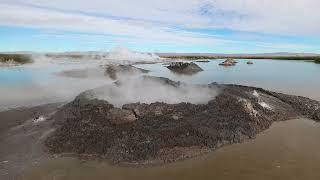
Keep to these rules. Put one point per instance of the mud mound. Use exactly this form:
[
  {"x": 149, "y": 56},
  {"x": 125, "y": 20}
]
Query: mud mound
[
  {"x": 160, "y": 132},
  {"x": 184, "y": 68},
  {"x": 228, "y": 62},
  {"x": 113, "y": 71}
]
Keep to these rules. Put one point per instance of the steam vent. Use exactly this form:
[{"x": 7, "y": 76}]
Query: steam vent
[{"x": 152, "y": 133}]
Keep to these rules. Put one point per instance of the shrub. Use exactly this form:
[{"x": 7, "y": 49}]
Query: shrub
[{"x": 17, "y": 58}]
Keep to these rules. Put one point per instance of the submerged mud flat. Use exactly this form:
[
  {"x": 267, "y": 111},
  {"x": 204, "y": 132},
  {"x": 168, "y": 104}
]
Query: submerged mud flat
[
  {"x": 157, "y": 133},
  {"x": 22, "y": 134}
]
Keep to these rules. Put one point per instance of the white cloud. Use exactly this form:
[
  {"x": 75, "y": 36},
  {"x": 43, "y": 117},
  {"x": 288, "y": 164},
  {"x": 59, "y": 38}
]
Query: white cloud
[
  {"x": 168, "y": 21},
  {"x": 269, "y": 16},
  {"x": 27, "y": 16}
]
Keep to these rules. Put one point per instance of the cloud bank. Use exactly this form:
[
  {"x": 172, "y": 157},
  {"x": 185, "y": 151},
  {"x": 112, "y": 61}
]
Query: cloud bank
[{"x": 176, "y": 22}]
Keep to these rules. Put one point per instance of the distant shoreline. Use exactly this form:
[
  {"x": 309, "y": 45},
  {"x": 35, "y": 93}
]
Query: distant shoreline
[
  {"x": 15, "y": 58},
  {"x": 25, "y": 57},
  {"x": 308, "y": 58}
]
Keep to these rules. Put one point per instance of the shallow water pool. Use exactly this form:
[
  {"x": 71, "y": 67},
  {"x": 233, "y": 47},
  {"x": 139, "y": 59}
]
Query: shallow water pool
[
  {"x": 288, "y": 76},
  {"x": 36, "y": 84}
]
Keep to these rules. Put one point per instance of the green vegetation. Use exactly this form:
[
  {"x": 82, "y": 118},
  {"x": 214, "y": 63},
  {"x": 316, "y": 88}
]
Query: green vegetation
[
  {"x": 317, "y": 60},
  {"x": 311, "y": 58},
  {"x": 16, "y": 58},
  {"x": 306, "y": 58},
  {"x": 71, "y": 56}
]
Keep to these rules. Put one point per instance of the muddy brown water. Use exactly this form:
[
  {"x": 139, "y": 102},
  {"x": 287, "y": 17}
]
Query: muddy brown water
[{"x": 288, "y": 150}]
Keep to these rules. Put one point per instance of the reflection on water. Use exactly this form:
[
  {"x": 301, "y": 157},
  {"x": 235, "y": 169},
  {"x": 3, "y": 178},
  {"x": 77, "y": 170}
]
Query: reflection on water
[
  {"x": 288, "y": 76},
  {"x": 14, "y": 76},
  {"x": 32, "y": 85},
  {"x": 287, "y": 151},
  {"x": 39, "y": 83}
]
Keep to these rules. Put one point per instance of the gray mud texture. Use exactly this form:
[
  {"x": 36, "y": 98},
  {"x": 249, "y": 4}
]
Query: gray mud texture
[{"x": 158, "y": 132}]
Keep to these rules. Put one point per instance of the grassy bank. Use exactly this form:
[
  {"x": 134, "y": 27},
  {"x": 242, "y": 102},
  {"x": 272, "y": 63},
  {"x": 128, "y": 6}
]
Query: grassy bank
[
  {"x": 71, "y": 56},
  {"x": 311, "y": 58},
  {"x": 15, "y": 58},
  {"x": 308, "y": 58}
]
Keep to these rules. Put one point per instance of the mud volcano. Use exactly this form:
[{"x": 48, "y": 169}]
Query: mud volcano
[
  {"x": 155, "y": 133},
  {"x": 113, "y": 71},
  {"x": 184, "y": 68}
]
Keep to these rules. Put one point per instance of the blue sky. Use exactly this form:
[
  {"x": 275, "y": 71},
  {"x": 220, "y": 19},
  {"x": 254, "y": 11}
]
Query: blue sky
[{"x": 217, "y": 26}]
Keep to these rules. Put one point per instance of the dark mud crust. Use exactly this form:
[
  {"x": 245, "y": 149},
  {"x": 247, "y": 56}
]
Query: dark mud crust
[
  {"x": 184, "y": 68},
  {"x": 203, "y": 61},
  {"x": 163, "y": 133},
  {"x": 113, "y": 71}
]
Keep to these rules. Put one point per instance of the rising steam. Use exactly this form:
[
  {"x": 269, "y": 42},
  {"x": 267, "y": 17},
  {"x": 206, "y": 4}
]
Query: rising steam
[
  {"x": 151, "y": 89},
  {"x": 123, "y": 54}
]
